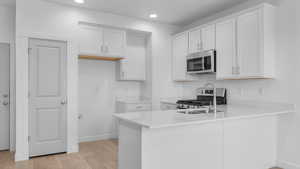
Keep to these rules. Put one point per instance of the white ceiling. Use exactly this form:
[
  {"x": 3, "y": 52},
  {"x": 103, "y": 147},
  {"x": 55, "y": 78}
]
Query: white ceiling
[{"x": 178, "y": 12}]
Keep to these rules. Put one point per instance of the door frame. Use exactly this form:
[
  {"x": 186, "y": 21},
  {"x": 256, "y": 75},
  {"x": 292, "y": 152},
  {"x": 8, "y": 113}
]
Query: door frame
[
  {"x": 22, "y": 117},
  {"x": 11, "y": 94}
]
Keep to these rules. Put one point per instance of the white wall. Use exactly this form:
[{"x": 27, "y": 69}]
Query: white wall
[
  {"x": 37, "y": 18},
  {"x": 98, "y": 90},
  {"x": 286, "y": 86}
]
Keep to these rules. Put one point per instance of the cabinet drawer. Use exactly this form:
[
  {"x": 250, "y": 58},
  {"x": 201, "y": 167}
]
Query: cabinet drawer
[{"x": 138, "y": 107}]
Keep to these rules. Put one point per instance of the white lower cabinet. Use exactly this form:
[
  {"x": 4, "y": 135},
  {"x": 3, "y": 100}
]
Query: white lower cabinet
[
  {"x": 250, "y": 143},
  {"x": 125, "y": 107},
  {"x": 245, "y": 44}
]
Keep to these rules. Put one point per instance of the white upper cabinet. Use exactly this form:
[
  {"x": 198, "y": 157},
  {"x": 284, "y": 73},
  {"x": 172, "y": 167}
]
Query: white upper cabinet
[
  {"x": 133, "y": 66},
  {"x": 208, "y": 35},
  {"x": 102, "y": 41},
  {"x": 114, "y": 41},
  {"x": 180, "y": 52},
  {"x": 194, "y": 41},
  {"x": 91, "y": 40},
  {"x": 252, "y": 54},
  {"x": 244, "y": 41},
  {"x": 226, "y": 48},
  {"x": 249, "y": 45},
  {"x": 202, "y": 39}
]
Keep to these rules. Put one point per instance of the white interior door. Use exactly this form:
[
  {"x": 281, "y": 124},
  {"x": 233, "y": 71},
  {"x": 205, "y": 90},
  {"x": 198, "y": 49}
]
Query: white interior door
[
  {"x": 4, "y": 96},
  {"x": 47, "y": 103}
]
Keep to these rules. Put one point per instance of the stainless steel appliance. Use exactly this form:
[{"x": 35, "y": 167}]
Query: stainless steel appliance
[
  {"x": 204, "y": 101},
  {"x": 202, "y": 62}
]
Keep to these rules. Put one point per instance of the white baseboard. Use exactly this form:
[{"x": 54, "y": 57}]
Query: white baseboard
[
  {"x": 98, "y": 137},
  {"x": 288, "y": 165}
]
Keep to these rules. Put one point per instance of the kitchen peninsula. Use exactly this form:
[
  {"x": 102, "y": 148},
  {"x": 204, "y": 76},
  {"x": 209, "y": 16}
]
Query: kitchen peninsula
[{"x": 242, "y": 135}]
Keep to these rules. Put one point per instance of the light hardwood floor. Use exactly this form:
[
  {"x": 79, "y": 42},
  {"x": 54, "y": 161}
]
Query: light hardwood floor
[{"x": 92, "y": 155}]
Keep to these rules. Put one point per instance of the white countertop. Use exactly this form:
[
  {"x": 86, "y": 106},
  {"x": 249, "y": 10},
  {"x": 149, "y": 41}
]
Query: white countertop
[{"x": 159, "y": 119}]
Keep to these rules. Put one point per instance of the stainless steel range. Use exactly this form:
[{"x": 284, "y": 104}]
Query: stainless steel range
[{"x": 204, "y": 102}]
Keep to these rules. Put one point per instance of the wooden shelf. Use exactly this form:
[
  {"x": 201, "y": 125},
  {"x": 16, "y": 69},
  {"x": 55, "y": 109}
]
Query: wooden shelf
[{"x": 106, "y": 58}]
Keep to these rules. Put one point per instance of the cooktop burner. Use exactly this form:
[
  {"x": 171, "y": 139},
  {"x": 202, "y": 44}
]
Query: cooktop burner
[
  {"x": 205, "y": 98},
  {"x": 195, "y": 102}
]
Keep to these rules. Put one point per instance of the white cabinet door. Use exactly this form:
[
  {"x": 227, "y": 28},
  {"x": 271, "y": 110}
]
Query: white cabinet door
[
  {"x": 226, "y": 48},
  {"x": 180, "y": 52},
  {"x": 90, "y": 40},
  {"x": 194, "y": 41},
  {"x": 114, "y": 42},
  {"x": 250, "y": 143},
  {"x": 249, "y": 34},
  {"x": 208, "y": 37},
  {"x": 133, "y": 66}
]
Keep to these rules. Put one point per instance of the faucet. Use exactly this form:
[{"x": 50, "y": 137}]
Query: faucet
[{"x": 212, "y": 85}]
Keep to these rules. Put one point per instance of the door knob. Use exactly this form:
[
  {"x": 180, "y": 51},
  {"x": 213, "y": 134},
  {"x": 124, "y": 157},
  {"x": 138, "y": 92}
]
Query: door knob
[
  {"x": 63, "y": 102},
  {"x": 5, "y": 103},
  {"x": 5, "y": 95}
]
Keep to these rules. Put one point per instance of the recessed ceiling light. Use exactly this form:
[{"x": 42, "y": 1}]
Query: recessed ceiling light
[
  {"x": 79, "y": 1},
  {"x": 153, "y": 15}
]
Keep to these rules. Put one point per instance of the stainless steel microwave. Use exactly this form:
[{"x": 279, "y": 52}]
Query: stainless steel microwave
[{"x": 202, "y": 62}]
